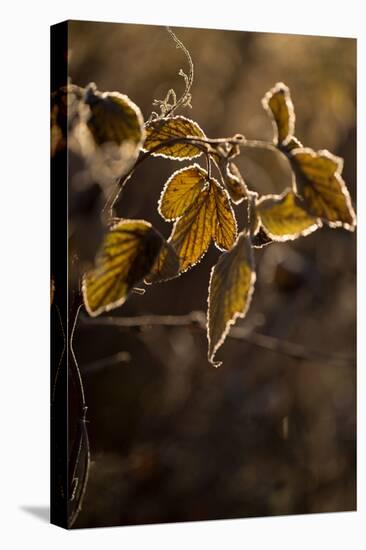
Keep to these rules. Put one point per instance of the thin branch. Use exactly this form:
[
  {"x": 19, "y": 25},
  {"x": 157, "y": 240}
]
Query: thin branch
[
  {"x": 74, "y": 362},
  {"x": 167, "y": 108},
  {"x": 198, "y": 142},
  {"x": 208, "y": 165},
  {"x": 61, "y": 355},
  {"x": 197, "y": 319},
  {"x": 185, "y": 99},
  {"x": 100, "y": 364},
  {"x": 79, "y": 486},
  {"x": 259, "y": 144}
]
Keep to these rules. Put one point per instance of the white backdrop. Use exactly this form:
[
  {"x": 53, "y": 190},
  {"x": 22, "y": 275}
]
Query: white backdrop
[{"x": 24, "y": 274}]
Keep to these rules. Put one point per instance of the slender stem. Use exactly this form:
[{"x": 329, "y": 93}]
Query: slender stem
[
  {"x": 101, "y": 364},
  {"x": 198, "y": 142},
  {"x": 202, "y": 143},
  {"x": 61, "y": 356},
  {"x": 79, "y": 485},
  {"x": 208, "y": 163},
  {"x": 198, "y": 319},
  {"x": 259, "y": 144},
  {"x": 186, "y": 96},
  {"x": 74, "y": 362},
  {"x": 218, "y": 168}
]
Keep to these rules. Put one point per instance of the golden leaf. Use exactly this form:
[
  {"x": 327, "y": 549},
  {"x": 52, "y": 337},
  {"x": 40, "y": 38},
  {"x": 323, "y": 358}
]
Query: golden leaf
[
  {"x": 192, "y": 233},
  {"x": 114, "y": 118},
  {"x": 320, "y": 184},
  {"x": 254, "y": 222},
  {"x": 127, "y": 255},
  {"x": 224, "y": 229},
  {"x": 235, "y": 183},
  {"x": 181, "y": 190},
  {"x": 165, "y": 129},
  {"x": 230, "y": 291},
  {"x": 209, "y": 216},
  {"x": 278, "y": 104},
  {"x": 284, "y": 218}
]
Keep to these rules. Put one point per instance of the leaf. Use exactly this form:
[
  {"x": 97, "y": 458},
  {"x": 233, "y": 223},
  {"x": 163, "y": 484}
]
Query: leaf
[
  {"x": 230, "y": 291},
  {"x": 127, "y": 255},
  {"x": 278, "y": 104},
  {"x": 181, "y": 190},
  {"x": 235, "y": 183},
  {"x": 253, "y": 223},
  {"x": 114, "y": 118},
  {"x": 284, "y": 218},
  {"x": 210, "y": 216},
  {"x": 224, "y": 229},
  {"x": 166, "y": 266},
  {"x": 164, "y": 129},
  {"x": 192, "y": 233},
  {"x": 320, "y": 184}
]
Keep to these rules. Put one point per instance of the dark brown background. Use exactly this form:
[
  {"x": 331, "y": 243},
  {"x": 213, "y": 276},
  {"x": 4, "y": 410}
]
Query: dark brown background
[{"x": 172, "y": 438}]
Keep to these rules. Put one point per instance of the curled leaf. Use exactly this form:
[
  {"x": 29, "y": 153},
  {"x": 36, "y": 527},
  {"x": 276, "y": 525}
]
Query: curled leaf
[
  {"x": 114, "y": 118},
  {"x": 278, "y": 104},
  {"x": 181, "y": 190},
  {"x": 167, "y": 130},
  {"x": 284, "y": 218},
  {"x": 127, "y": 255},
  {"x": 235, "y": 183},
  {"x": 108, "y": 135},
  {"x": 230, "y": 291},
  {"x": 320, "y": 184}
]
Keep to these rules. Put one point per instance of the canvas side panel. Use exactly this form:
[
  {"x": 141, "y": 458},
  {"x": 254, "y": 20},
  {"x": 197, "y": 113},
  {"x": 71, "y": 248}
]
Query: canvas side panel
[{"x": 59, "y": 276}]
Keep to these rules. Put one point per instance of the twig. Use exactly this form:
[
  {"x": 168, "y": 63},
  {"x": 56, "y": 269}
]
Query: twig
[
  {"x": 79, "y": 486},
  {"x": 198, "y": 319},
  {"x": 100, "y": 364},
  {"x": 57, "y": 373},
  {"x": 259, "y": 144},
  {"x": 200, "y": 143},
  {"x": 185, "y": 99}
]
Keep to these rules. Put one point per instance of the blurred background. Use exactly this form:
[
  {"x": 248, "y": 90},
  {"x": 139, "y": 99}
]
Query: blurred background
[{"x": 172, "y": 438}]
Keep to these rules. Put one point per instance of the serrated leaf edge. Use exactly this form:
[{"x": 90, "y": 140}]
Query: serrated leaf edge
[
  {"x": 168, "y": 182},
  {"x": 121, "y": 301},
  {"x": 289, "y": 237},
  {"x": 237, "y": 315},
  {"x": 131, "y": 104},
  {"x": 338, "y": 175},
  {"x": 225, "y": 191},
  {"x": 180, "y": 159},
  {"x": 280, "y": 87}
]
